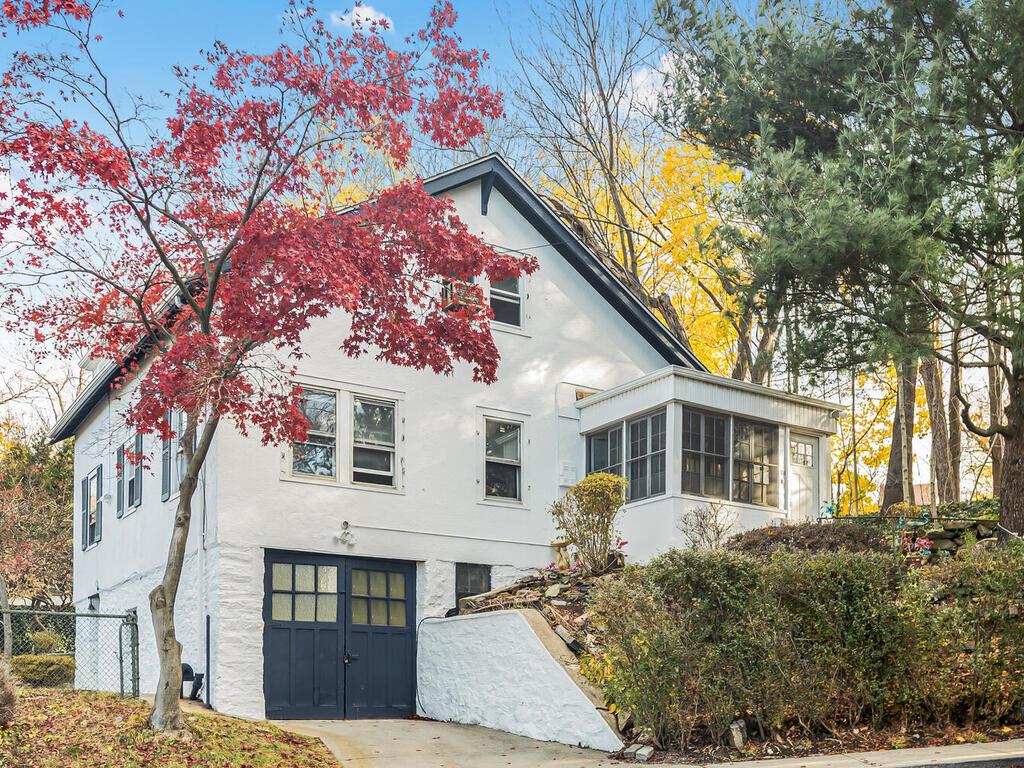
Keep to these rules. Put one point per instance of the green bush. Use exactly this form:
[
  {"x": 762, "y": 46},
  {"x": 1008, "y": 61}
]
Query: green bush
[
  {"x": 44, "y": 642},
  {"x": 693, "y": 640},
  {"x": 44, "y": 671}
]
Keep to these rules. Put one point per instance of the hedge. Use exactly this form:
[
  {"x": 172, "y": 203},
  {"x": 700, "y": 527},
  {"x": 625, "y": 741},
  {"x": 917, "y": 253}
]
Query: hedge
[
  {"x": 44, "y": 671},
  {"x": 694, "y": 639}
]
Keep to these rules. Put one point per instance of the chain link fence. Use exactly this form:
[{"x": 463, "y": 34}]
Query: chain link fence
[{"x": 62, "y": 649}]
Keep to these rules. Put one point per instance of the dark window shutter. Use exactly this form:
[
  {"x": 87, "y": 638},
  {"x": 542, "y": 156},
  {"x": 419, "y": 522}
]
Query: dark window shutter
[
  {"x": 165, "y": 466},
  {"x": 138, "y": 468},
  {"x": 85, "y": 512},
  {"x": 120, "y": 469},
  {"x": 99, "y": 503}
]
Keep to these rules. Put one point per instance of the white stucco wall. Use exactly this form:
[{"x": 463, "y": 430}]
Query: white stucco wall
[{"x": 491, "y": 669}]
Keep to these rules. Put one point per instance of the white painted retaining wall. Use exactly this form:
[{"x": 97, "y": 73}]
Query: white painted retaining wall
[{"x": 492, "y": 669}]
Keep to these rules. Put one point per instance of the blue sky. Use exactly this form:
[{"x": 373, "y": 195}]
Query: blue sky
[{"x": 139, "y": 50}]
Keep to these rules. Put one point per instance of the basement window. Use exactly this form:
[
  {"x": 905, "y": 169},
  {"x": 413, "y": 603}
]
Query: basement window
[{"x": 471, "y": 579}]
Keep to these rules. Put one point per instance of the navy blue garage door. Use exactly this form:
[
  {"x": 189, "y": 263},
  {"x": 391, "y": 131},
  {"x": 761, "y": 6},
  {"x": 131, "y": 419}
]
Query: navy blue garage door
[{"x": 339, "y": 638}]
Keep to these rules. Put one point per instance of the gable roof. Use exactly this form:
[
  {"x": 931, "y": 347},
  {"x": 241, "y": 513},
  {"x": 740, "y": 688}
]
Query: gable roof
[{"x": 493, "y": 173}]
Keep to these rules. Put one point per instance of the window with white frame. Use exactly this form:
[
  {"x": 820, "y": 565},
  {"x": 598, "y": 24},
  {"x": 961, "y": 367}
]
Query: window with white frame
[
  {"x": 705, "y": 454},
  {"x": 755, "y": 463},
  {"x": 506, "y": 302},
  {"x": 317, "y": 454},
  {"x": 503, "y": 465},
  {"x": 92, "y": 507},
  {"x": 129, "y": 475},
  {"x": 646, "y": 457},
  {"x": 373, "y": 441},
  {"x": 604, "y": 451}
]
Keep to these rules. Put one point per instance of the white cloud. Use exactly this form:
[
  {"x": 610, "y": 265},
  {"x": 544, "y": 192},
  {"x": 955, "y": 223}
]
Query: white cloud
[{"x": 361, "y": 16}]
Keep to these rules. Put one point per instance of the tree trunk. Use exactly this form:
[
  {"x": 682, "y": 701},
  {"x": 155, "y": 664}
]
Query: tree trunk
[
  {"x": 944, "y": 490},
  {"x": 995, "y": 413},
  {"x": 5, "y": 608},
  {"x": 899, "y": 475},
  {"x": 1011, "y": 486},
  {"x": 953, "y": 417},
  {"x": 166, "y": 716}
]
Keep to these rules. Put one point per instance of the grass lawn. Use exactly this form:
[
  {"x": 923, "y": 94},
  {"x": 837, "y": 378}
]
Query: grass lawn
[{"x": 56, "y": 729}]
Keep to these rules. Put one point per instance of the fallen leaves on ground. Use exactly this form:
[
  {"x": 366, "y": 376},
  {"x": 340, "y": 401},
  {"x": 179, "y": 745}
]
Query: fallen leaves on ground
[{"x": 56, "y": 729}]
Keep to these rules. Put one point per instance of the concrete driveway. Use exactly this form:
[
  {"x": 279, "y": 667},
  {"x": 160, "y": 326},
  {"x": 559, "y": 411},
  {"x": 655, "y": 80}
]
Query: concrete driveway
[{"x": 429, "y": 744}]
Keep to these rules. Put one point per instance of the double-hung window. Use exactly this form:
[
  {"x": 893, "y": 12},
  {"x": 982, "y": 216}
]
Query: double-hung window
[
  {"x": 317, "y": 454},
  {"x": 604, "y": 451},
  {"x": 503, "y": 467},
  {"x": 92, "y": 507},
  {"x": 129, "y": 475},
  {"x": 373, "y": 441},
  {"x": 646, "y": 459},
  {"x": 506, "y": 302},
  {"x": 705, "y": 454},
  {"x": 755, "y": 463}
]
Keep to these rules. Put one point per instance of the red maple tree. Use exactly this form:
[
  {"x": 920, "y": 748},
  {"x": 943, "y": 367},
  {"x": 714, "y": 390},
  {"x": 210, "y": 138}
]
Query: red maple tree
[{"x": 191, "y": 242}]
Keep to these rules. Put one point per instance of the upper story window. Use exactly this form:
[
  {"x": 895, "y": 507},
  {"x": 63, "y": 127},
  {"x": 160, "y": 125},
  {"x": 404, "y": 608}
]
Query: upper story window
[
  {"x": 173, "y": 463},
  {"x": 503, "y": 459},
  {"x": 506, "y": 302},
  {"x": 373, "y": 441},
  {"x": 92, "y": 507},
  {"x": 317, "y": 454},
  {"x": 755, "y": 463},
  {"x": 646, "y": 459},
  {"x": 129, "y": 475},
  {"x": 604, "y": 451},
  {"x": 705, "y": 454}
]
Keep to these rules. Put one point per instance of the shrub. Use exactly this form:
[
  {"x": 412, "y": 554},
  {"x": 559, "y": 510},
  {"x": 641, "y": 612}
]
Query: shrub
[
  {"x": 809, "y": 537},
  {"x": 8, "y": 695},
  {"x": 694, "y": 639},
  {"x": 44, "y": 642},
  {"x": 586, "y": 517},
  {"x": 44, "y": 671},
  {"x": 708, "y": 526}
]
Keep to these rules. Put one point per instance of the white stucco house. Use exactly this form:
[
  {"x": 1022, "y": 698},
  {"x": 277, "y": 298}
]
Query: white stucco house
[{"x": 310, "y": 567}]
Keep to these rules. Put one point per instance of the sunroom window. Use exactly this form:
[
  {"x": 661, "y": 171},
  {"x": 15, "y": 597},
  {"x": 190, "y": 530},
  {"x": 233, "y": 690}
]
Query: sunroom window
[
  {"x": 604, "y": 451},
  {"x": 705, "y": 454},
  {"x": 755, "y": 463},
  {"x": 373, "y": 441},
  {"x": 317, "y": 454},
  {"x": 506, "y": 302},
  {"x": 646, "y": 464}
]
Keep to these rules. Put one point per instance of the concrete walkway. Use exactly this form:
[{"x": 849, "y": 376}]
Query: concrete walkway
[{"x": 429, "y": 744}]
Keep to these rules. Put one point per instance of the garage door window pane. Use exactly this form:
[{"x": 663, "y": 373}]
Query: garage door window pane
[
  {"x": 281, "y": 607},
  {"x": 378, "y": 584},
  {"x": 360, "y": 611},
  {"x": 327, "y": 578},
  {"x": 359, "y": 583},
  {"x": 397, "y": 617},
  {"x": 282, "y": 577},
  {"x": 304, "y": 578},
  {"x": 379, "y": 612},
  {"x": 397, "y": 585},
  {"x": 327, "y": 608},
  {"x": 305, "y": 607}
]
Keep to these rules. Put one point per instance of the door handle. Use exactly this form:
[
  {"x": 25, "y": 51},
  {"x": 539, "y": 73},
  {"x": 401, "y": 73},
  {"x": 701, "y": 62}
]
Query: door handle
[{"x": 349, "y": 657}]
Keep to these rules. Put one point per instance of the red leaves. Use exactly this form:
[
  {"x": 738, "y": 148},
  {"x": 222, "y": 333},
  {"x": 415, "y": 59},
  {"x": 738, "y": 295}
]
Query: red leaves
[{"x": 196, "y": 251}]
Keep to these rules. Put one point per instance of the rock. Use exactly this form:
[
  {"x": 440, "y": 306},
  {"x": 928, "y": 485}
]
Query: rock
[
  {"x": 555, "y": 590},
  {"x": 985, "y": 530},
  {"x": 560, "y": 603},
  {"x": 644, "y": 754},
  {"x": 738, "y": 734},
  {"x": 986, "y": 543},
  {"x": 630, "y": 752},
  {"x": 957, "y": 525},
  {"x": 943, "y": 545}
]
